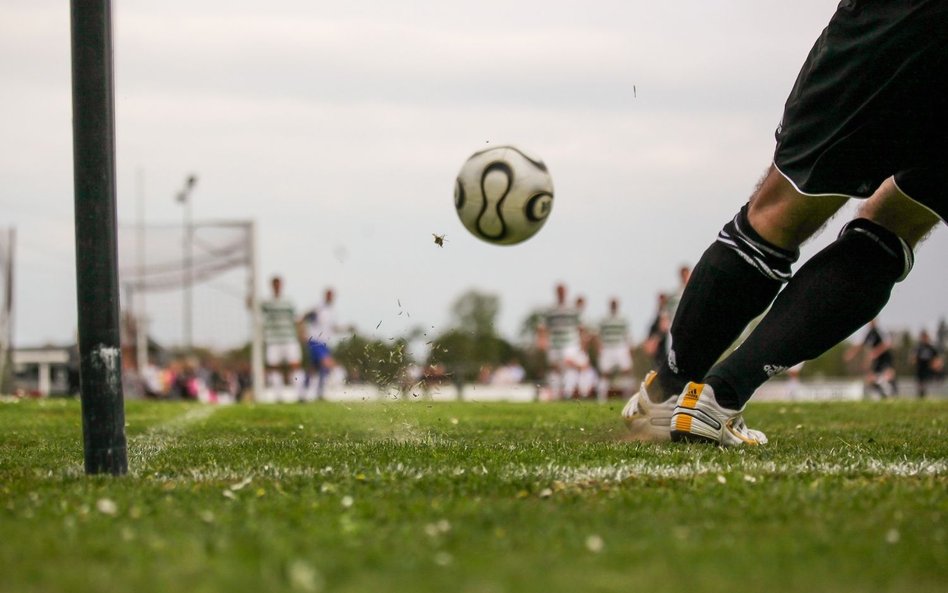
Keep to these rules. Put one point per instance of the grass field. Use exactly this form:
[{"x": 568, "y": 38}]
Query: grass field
[{"x": 474, "y": 498}]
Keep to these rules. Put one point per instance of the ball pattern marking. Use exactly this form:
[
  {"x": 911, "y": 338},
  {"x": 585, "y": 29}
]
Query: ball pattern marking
[{"x": 503, "y": 195}]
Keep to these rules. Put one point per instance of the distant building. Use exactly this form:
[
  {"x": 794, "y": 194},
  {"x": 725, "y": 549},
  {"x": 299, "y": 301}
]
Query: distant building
[{"x": 47, "y": 370}]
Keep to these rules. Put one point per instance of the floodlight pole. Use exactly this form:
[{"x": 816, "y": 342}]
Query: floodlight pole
[
  {"x": 93, "y": 125},
  {"x": 187, "y": 248},
  {"x": 141, "y": 320}
]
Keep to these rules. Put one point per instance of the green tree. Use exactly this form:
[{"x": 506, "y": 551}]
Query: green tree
[
  {"x": 475, "y": 313},
  {"x": 377, "y": 362},
  {"x": 472, "y": 342}
]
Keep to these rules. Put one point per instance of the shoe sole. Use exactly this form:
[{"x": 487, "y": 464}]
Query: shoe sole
[
  {"x": 690, "y": 425},
  {"x": 678, "y": 436}
]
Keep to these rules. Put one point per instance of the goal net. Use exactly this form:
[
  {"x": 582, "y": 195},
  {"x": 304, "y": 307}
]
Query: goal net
[{"x": 190, "y": 287}]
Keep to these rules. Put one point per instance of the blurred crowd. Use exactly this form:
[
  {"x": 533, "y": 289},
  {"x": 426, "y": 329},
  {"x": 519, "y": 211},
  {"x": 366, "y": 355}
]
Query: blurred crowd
[{"x": 207, "y": 380}]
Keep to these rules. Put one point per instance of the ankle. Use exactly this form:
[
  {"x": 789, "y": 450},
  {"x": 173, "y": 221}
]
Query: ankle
[
  {"x": 724, "y": 393},
  {"x": 665, "y": 386}
]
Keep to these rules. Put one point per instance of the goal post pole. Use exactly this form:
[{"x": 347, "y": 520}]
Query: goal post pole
[
  {"x": 256, "y": 323},
  {"x": 93, "y": 124}
]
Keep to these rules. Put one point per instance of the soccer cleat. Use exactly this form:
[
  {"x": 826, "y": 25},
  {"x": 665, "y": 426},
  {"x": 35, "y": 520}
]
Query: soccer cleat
[
  {"x": 648, "y": 421},
  {"x": 699, "y": 418}
]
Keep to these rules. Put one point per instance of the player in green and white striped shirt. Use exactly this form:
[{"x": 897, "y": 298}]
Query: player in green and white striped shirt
[
  {"x": 615, "y": 353},
  {"x": 281, "y": 337},
  {"x": 558, "y": 335}
]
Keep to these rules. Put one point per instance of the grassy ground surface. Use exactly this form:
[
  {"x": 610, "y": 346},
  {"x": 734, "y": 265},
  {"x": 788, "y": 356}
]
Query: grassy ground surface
[{"x": 474, "y": 498}]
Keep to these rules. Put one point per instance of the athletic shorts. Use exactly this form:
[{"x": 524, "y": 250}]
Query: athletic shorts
[
  {"x": 572, "y": 355},
  {"x": 882, "y": 363},
  {"x": 283, "y": 353},
  {"x": 615, "y": 359},
  {"x": 318, "y": 351},
  {"x": 870, "y": 102}
]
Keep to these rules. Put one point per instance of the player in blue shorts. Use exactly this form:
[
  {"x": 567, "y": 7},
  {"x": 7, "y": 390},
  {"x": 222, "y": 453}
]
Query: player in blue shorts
[
  {"x": 867, "y": 119},
  {"x": 320, "y": 323}
]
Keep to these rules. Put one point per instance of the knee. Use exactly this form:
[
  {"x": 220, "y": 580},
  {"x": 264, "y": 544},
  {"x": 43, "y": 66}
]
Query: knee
[
  {"x": 739, "y": 236},
  {"x": 895, "y": 253},
  {"x": 889, "y": 208}
]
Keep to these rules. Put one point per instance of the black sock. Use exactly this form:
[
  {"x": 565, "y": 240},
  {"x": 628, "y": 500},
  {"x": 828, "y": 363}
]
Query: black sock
[
  {"x": 734, "y": 281},
  {"x": 839, "y": 290}
]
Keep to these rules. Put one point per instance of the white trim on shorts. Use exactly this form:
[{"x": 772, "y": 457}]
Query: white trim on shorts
[
  {"x": 904, "y": 193},
  {"x": 840, "y": 194},
  {"x": 826, "y": 195}
]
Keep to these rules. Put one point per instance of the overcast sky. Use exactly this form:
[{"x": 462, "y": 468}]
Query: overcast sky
[{"x": 339, "y": 128}]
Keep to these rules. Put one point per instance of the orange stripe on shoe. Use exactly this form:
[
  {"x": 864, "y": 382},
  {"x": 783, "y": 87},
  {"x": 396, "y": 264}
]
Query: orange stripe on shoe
[{"x": 683, "y": 423}]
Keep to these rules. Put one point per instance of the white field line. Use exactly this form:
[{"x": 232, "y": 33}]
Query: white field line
[
  {"x": 145, "y": 447},
  {"x": 750, "y": 470}
]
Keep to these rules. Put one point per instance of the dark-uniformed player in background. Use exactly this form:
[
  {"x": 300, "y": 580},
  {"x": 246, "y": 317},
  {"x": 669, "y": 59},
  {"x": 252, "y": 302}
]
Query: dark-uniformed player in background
[
  {"x": 879, "y": 362},
  {"x": 867, "y": 119},
  {"x": 927, "y": 362}
]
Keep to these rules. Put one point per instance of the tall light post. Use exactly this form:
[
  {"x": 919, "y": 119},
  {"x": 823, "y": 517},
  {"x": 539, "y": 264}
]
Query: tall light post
[{"x": 184, "y": 198}]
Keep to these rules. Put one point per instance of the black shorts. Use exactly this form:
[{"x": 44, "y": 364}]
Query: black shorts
[
  {"x": 882, "y": 363},
  {"x": 870, "y": 102}
]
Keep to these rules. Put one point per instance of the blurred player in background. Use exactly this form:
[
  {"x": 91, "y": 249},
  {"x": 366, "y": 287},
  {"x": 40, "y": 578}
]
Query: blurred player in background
[
  {"x": 320, "y": 324},
  {"x": 558, "y": 336},
  {"x": 587, "y": 378},
  {"x": 866, "y": 119},
  {"x": 655, "y": 344},
  {"x": 880, "y": 363},
  {"x": 927, "y": 362},
  {"x": 615, "y": 354},
  {"x": 671, "y": 303},
  {"x": 281, "y": 339},
  {"x": 793, "y": 381}
]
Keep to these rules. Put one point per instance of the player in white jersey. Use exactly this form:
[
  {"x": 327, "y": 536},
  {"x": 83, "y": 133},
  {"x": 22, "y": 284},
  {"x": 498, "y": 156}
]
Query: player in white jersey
[
  {"x": 281, "y": 337},
  {"x": 321, "y": 334},
  {"x": 558, "y": 335},
  {"x": 615, "y": 354},
  {"x": 587, "y": 375}
]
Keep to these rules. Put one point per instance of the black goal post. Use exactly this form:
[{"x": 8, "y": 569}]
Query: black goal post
[{"x": 93, "y": 125}]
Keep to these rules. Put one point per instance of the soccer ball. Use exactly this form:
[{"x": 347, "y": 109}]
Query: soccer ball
[{"x": 503, "y": 195}]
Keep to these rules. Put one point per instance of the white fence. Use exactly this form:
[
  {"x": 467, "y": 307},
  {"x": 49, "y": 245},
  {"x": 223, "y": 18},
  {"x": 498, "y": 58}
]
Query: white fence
[{"x": 773, "y": 391}]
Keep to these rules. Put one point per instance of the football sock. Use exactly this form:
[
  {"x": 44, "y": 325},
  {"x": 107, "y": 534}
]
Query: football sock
[
  {"x": 735, "y": 280},
  {"x": 275, "y": 379},
  {"x": 839, "y": 290},
  {"x": 299, "y": 381}
]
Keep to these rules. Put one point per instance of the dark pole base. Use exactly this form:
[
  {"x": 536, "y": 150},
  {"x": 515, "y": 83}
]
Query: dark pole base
[{"x": 103, "y": 407}]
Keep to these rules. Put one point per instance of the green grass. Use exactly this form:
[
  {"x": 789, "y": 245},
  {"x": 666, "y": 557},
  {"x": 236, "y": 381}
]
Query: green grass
[{"x": 474, "y": 498}]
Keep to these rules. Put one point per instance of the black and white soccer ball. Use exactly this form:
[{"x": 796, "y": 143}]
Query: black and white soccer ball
[{"x": 503, "y": 195}]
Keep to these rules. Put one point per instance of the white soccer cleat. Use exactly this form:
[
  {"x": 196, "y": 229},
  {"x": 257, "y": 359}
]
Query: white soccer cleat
[
  {"x": 648, "y": 421},
  {"x": 698, "y": 418}
]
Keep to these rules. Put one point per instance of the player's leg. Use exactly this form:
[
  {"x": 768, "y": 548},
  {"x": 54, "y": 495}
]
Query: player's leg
[
  {"x": 889, "y": 385},
  {"x": 297, "y": 376},
  {"x": 738, "y": 276},
  {"x": 838, "y": 291},
  {"x": 606, "y": 375},
  {"x": 274, "y": 373},
  {"x": 554, "y": 374},
  {"x": 326, "y": 365},
  {"x": 588, "y": 378},
  {"x": 610, "y": 369},
  {"x": 735, "y": 280}
]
